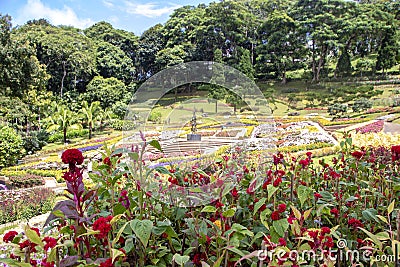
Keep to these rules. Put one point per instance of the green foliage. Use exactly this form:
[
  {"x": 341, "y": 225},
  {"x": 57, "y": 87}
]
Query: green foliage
[
  {"x": 20, "y": 70},
  {"x": 108, "y": 91},
  {"x": 71, "y": 134},
  {"x": 388, "y": 51},
  {"x": 337, "y": 110},
  {"x": 361, "y": 104},
  {"x": 155, "y": 116},
  {"x": 35, "y": 140},
  {"x": 343, "y": 67},
  {"x": 11, "y": 146},
  {"x": 113, "y": 62}
]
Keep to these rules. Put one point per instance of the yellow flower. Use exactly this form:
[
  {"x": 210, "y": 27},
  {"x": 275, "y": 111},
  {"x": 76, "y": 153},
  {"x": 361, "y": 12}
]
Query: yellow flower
[{"x": 218, "y": 224}]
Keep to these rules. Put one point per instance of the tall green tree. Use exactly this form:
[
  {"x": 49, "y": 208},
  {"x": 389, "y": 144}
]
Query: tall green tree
[
  {"x": 388, "y": 51},
  {"x": 108, "y": 91},
  {"x": 281, "y": 49},
  {"x": 104, "y": 31},
  {"x": 215, "y": 90},
  {"x": 113, "y": 62},
  {"x": 20, "y": 70},
  {"x": 150, "y": 43},
  {"x": 69, "y": 56}
]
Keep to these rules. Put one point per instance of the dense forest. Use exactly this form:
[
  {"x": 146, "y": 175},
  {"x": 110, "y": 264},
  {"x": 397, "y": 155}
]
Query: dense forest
[{"x": 60, "y": 70}]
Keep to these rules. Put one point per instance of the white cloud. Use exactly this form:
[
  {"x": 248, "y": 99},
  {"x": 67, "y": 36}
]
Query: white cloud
[
  {"x": 149, "y": 10},
  {"x": 35, "y": 9},
  {"x": 108, "y": 3}
]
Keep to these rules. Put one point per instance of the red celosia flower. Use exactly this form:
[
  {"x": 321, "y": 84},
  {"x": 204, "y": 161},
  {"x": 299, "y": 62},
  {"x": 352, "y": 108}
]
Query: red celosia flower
[
  {"x": 234, "y": 192},
  {"x": 304, "y": 162},
  {"x": 103, "y": 225},
  {"x": 277, "y": 182},
  {"x": 354, "y": 223},
  {"x": 335, "y": 212},
  {"x": 357, "y": 154},
  {"x": 325, "y": 230},
  {"x": 50, "y": 242},
  {"x": 47, "y": 264},
  {"x": 309, "y": 155},
  {"x": 107, "y": 161},
  {"x": 395, "y": 152},
  {"x": 282, "y": 242},
  {"x": 291, "y": 219},
  {"x": 107, "y": 263},
  {"x": 72, "y": 156},
  {"x": 9, "y": 236},
  {"x": 282, "y": 207},
  {"x": 26, "y": 244},
  {"x": 317, "y": 196},
  {"x": 275, "y": 215},
  {"x": 218, "y": 204}
]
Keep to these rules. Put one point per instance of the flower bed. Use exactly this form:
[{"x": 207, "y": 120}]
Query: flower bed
[
  {"x": 225, "y": 210},
  {"x": 24, "y": 203},
  {"x": 29, "y": 180},
  {"x": 227, "y": 133},
  {"x": 374, "y": 127}
]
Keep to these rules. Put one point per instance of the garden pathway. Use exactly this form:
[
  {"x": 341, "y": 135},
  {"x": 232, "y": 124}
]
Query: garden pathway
[{"x": 392, "y": 128}]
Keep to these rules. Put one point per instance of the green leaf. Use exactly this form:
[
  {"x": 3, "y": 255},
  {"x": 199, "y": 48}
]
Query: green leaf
[
  {"x": 116, "y": 253},
  {"x": 121, "y": 230},
  {"x": 116, "y": 218},
  {"x": 229, "y": 213},
  {"x": 280, "y": 226},
  {"x": 209, "y": 209},
  {"x": 303, "y": 193},
  {"x": 58, "y": 213},
  {"x": 14, "y": 263},
  {"x": 33, "y": 236},
  {"x": 258, "y": 205},
  {"x": 181, "y": 260},
  {"x": 383, "y": 219},
  {"x": 271, "y": 190},
  {"x": 156, "y": 145},
  {"x": 370, "y": 214},
  {"x": 296, "y": 212},
  {"x": 119, "y": 209},
  {"x": 163, "y": 170},
  {"x": 373, "y": 237},
  {"x": 142, "y": 230},
  {"x": 391, "y": 207}
]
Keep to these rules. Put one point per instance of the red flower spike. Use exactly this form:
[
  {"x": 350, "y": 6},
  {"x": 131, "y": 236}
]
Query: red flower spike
[{"x": 72, "y": 156}]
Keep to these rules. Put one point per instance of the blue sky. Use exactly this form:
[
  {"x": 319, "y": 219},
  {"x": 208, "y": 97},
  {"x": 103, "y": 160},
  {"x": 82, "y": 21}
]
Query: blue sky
[{"x": 131, "y": 15}]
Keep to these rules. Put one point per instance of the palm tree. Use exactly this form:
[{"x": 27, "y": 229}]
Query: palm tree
[
  {"x": 90, "y": 114},
  {"x": 104, "y": 116},
  {"x": 63, "y": 119}
]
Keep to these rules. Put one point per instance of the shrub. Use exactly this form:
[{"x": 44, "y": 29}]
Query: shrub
[
  {"x": 155, "y": 116},
  {"x": 122, "y": 125},
  {"x": 35, "y": 141},
  {"x": 11, "y": 146},
  {"x": 57, "y": 137}
]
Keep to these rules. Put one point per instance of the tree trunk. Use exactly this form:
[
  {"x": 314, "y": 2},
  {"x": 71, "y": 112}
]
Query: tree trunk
[
  {"x": 65, "y": 135},
  {"x": 90, "y": 131},
  {"x": 216, "y": 106},
  {"x": 284, "y": 80},
  {"x": 62, "y": 80}
]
